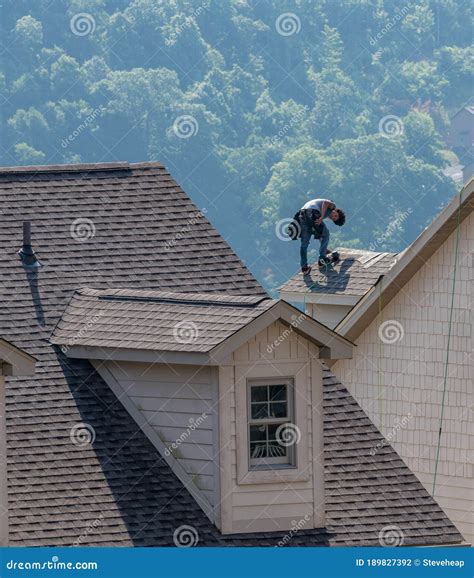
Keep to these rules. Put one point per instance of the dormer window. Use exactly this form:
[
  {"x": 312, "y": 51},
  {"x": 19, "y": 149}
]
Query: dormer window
[{"x": 270, "y": 411}]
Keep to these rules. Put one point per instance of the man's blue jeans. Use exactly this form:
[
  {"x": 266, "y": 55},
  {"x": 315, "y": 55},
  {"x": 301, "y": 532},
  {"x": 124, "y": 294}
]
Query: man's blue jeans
[{"x": 320, "y": 232}]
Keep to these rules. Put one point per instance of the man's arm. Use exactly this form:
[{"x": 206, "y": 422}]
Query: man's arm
[{"x": 324, "y": 209}]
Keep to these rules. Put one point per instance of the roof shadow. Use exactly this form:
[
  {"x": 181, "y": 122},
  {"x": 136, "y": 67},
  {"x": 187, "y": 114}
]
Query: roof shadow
[
  {"x": 32, "y": 276},
  {"x": 333, "y": 279}
]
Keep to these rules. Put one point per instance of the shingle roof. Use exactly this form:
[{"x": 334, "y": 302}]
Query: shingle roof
[
  {"x": 155, "y": 320},
  {"x": 355, "y": 274},
  {"x": 119, "y": 490}
]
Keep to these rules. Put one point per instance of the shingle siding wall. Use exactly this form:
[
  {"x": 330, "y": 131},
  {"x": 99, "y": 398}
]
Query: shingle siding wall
[
  {"x": 179, "y": 404},
  {"x": 400, "y": 384}
]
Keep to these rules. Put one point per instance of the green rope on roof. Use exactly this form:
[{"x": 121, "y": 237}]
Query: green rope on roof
[
  {"x": 381, "y": 349},
  {"x": 448, "y": 345}
]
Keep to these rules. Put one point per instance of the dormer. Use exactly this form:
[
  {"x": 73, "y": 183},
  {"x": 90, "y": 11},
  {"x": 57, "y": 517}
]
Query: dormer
[
  {"x": 227, "y": 388},
  {"x": 328, "y": 295}
]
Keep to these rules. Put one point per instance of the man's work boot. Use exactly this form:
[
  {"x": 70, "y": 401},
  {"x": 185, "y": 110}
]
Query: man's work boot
[{"x": 324, "y": 261}]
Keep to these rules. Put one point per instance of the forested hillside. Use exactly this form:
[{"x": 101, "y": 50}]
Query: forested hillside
[{"x": 254, "y": 106}]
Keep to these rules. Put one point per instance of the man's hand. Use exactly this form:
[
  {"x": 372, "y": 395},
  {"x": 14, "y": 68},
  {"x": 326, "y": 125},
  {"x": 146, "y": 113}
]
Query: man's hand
[{"x": 318, "y": 221}]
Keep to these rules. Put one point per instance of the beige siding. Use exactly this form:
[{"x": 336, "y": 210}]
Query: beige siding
[
  {"x": 327, "y": 314},
  {"x": 277, "y": 499},
  {"x": 180, "y": 403},
  {"x": 400, "y": 385}
]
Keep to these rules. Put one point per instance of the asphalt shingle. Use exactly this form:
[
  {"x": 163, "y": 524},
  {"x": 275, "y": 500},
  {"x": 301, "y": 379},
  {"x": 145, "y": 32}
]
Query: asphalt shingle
[
  {"x": 155, "y": 320},
  {"x": 355, "y": 274},
  {"x": 117, "y": 490}
]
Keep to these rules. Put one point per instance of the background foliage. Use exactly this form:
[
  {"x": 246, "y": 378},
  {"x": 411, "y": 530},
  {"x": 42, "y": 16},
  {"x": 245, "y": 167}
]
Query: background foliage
[{"x": 278, "y": 114}]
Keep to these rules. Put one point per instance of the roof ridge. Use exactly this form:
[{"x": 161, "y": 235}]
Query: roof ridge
[
  {"x": 79, "y": 167},
  {"x": 165, "y": 296}
]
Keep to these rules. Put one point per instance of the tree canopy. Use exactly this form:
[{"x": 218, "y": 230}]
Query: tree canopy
[{"x": 255, "y": 107}]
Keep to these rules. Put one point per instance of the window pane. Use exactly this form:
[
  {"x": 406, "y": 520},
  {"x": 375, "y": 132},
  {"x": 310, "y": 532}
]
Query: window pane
[
  {"x": 259, "y": 393},
  {"x": 258, "y": 432},
  {"x": 259, "y": 410},
  {"x": 278, "y": 409},
  {"x": 275, "y": 450},
  {"x": 272, "y": 429},
  {"x": 258, "y": 450},
  {"x": 278, "y": 393}
]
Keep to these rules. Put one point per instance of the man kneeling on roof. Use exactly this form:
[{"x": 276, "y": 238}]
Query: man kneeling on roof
[{"x": 311, "y": 221}]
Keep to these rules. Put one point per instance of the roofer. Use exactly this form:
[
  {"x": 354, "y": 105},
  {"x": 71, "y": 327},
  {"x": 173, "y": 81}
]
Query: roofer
[{"x": 311, "y": 222}]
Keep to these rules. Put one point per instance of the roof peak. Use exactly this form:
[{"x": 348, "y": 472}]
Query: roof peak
[{"x": 79, "y": 167}]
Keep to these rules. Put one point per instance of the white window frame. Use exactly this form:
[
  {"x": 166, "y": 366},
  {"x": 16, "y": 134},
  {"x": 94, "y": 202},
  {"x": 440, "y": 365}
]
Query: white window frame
[
  {"x": 296, "y": 370},
  {"x": 289, "y": 459}
]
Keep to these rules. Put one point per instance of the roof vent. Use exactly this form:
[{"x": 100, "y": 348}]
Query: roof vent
[{"x": 27, "y": 255}]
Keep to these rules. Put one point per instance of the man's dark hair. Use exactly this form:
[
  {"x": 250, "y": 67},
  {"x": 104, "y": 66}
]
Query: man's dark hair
[{"x": 341, "y": 219}]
